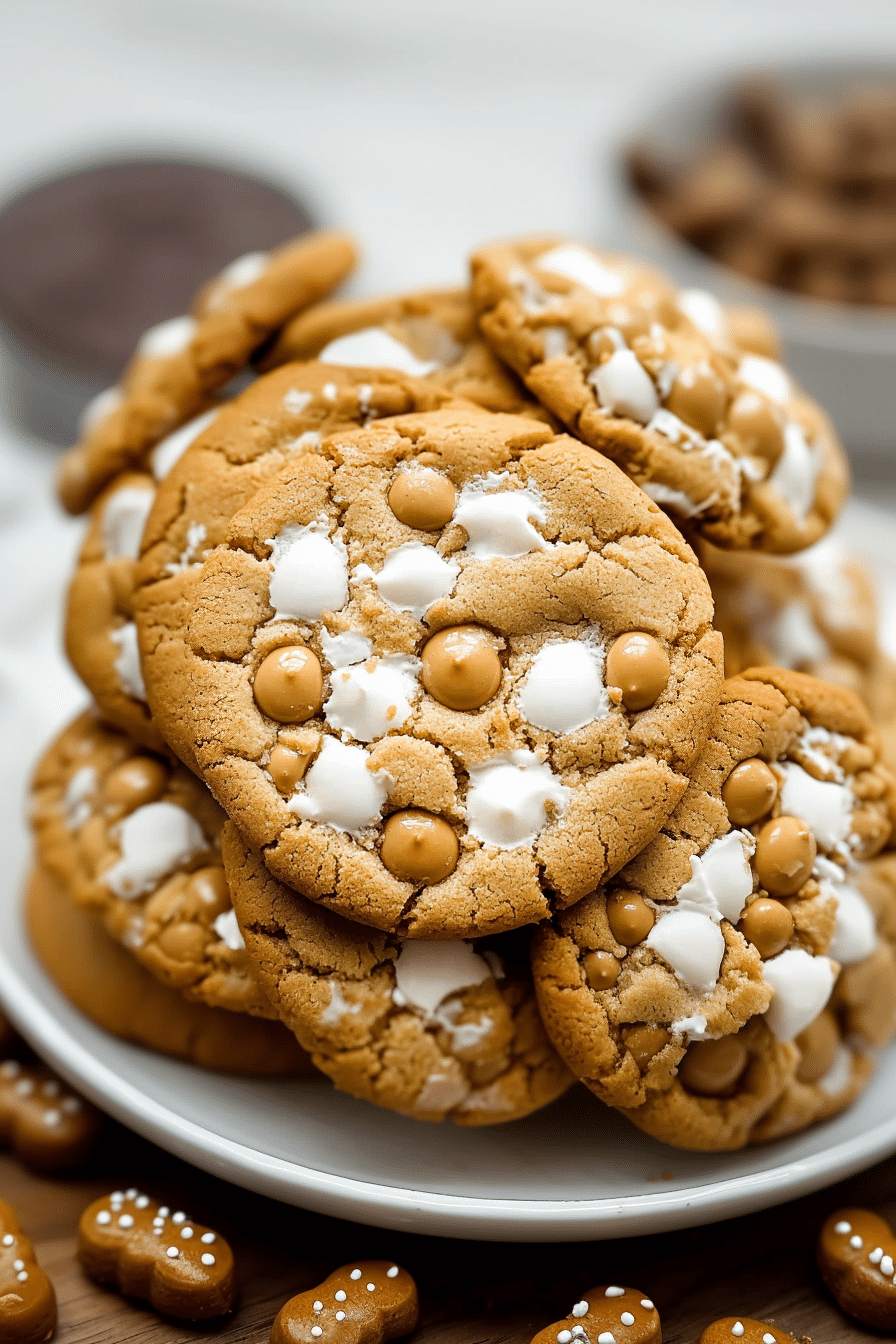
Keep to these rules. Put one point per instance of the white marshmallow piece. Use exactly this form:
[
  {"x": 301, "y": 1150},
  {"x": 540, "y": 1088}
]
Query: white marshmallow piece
[
  {"x": 625, "y": 388},
  {"x": 310, "y": 572},
  {"x": 374, "y": 348},
  {"x": 370, "y": 698},
  {"x": 855, "y": 933},
  {"x": 497, "y": 522},
  {"x": 167, "y": 338},
  {"x": 802, "y": 986},
  {"x": 413, "y": 576},
  {"x": 127, "y": 664},
  {"x": 98, "y": 409},
  {"x": 124, "y": 519},
  {"x": 154, "y": 840},
  {"x": 765, "y": 375},
  {"x": 795, "y": 638},
  {"x": 348, "y": 647},
  {"x": 426, "y": 973},
  {"x": 172, "y": 448},
  {"x": 564, "y": 688},
  {"x": 228, "y": 930},
  {"x": 825, "y": 807},
  {"x": 839, "y": 1075},
  {"x": 692, "y": 944},
  {"x": 704, "y": 310},
  {"x": 574, "y": 263},
  {"x": 722, "y": 878},
  {"x": 245, "y": 270},
  {"x": 340, "y": 791},
  {"x": 796, "y": 471},
  {"x": 77, "y": 799},
  {"x": 508, "y": 798}
]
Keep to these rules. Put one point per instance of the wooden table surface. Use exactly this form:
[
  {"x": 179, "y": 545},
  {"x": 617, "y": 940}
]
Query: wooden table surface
[{"x": 471, "y": 1292}]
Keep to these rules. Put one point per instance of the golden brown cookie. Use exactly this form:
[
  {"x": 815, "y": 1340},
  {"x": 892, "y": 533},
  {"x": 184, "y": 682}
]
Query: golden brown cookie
[
  {"x": 281, "y": 416},
  {"x": 27, "y": 1297},
  {"x": 107, "y": 985},
  {"x": 745, "y": 1329},
  {"x": 367, "y": 1302},
  {"x": 429, "y": 334},
  {"x": 46, "y": 1124},
  {"x": 855, "y": 1254},
  {"x": 676, "y": 991},
  {"x": 605, "y": 1313},
  {"x": 548, "y": 565},
  {"x": 650, "y": 376},
  {"x": 180, "y": 365},
  {"x": 136, "y": 839},
  {"x": 436, "y": 1030},
  {"x": 181, "y": 1268}
]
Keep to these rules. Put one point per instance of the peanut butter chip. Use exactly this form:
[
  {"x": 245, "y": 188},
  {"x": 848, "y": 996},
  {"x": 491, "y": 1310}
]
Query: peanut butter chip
[
  {"x": 289, "y": 684},
  {"x": 785, "y": 854},
  {"x": 713, "y": 1067},
  {"x": 639, "y": 666},
  {"x": 818, "y": 1047},
  {"x": 209, "y": 885},
  {"x": 422, "y": 498},
  {"x": 460, "y": 667},
  {"x": 135, "y": 783},
  {"x": 287, "y": 767},
  {"x": 630, "y": 917},
  {"x": 749, "y": 792},
  {"x": 601, "y": 969},
  {"x": 768, "y": 925},
  {"x": 418, "y": 847},
  {"x": 754, "y": 422},
  {"x": 643, "y": 1042},
  {"x": 698, "y": 397}
]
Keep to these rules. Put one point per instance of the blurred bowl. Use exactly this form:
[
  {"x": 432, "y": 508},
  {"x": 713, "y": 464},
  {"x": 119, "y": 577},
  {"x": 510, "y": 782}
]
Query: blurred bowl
[{"x": 843, "y": 354}]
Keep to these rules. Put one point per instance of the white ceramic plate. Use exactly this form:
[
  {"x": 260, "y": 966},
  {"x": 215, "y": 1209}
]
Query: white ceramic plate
[{"x": 573, "y": 1171}]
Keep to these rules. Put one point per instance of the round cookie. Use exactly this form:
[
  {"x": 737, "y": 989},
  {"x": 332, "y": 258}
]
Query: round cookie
[
  {"x": 721, "y": 942},
  {"x": 137, "y": 840},
  {"x": 179, "y": 365},
  {"x": 119, "y": 995},
  {"x": 650, "y": 376},
  {"x": 547, "y": 563},
  {"x": 282, "y": 415},
  {"x": 429, "y": 334},
  {"x": 446, "y": 1030}
]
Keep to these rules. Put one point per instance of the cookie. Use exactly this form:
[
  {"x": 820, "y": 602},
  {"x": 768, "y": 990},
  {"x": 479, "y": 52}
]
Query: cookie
[
  {"x": 368, "y": 1302},
  {"x": 599, "y": 1316},
  {"x": 179, "y": 365},
  {"x": 676, "y": 992},
  {"x": 42, "y": 1121},
  {"x": 743, "y": 1328},
  {"x": 137, "y": 840},
  {"x": 429, "y": 334},
  {"x": 855, "y": 1254},
  {"x": 107, "y": 985},
  {"x": 435, "y": 1030},
  {"x": 281, "y": 416},
  {"x": 27, "y": 1297},
  {"x": 650, "y": 376},
  {"x": 179, "y": 1267},
  {"x": 379, "y": 655}
]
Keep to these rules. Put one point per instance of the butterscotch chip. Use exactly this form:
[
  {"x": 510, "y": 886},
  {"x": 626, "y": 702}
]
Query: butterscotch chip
[
  {"x": 434, "y": 1030},
  {"x": 288, "y": 685},
  {"x": 423, "y": 499},
  {"x": 553, "y": 554},
  {"x": 630, "y": 917},
  {"x": 785, "y": 853},
  {"x": 366, "y": 1302},
  {"x": 608, "y": 1311},
  {"x": 856, "y": 1252},
  {"x": 461, "y": 668},
  {"x": 749, "y": 792},
  {"x": 286, "y": 768},
  {"x": 601, "y": 969},
  {"x": 698, "y": 986},
  {"x": 27, "y": 1298},
  {"x": 640, "y": 667},
  {"x": 418, "y": 847},
  {"x": 650, "y": 376},
  {"x": 818, "y": 1046}
]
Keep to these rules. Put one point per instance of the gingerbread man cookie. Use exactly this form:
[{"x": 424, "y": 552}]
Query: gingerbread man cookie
[
  {"x": 110, "y": 987},
  {"x": 137, "y": 840},
  {"x": 46, "y": 1125},
  {"x": 283, "y": 415},
  {"x": 607, "y": 1315},
  {"x": 429, "y": 334},
  {"x": 436, "y": 1030},
  {"x": 181, "y": 1268},
  {"x": 677, "y": 991},
  {"x": 650, "y": 376},
  {"x": 180, "y": 364},
  {"x": 855, "y": 1252},
  {"x": 730, "y": 1329},
  {"x": 449, "y": 672},
  {"x": 27, "y": 1298},
  {"x": 368, "y": 1302}
]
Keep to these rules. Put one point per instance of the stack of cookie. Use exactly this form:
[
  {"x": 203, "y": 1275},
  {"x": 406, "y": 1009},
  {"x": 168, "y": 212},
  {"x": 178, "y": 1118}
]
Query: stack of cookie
[{"x": 412, "y": 732}]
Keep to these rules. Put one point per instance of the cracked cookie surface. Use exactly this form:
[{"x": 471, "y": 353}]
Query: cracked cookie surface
[
  {"x": 652, "y": 377},
  {"x": 406, "y": 663},
  {"x": 446, "y": 1030},
  {"x": 679, "y": 992}
]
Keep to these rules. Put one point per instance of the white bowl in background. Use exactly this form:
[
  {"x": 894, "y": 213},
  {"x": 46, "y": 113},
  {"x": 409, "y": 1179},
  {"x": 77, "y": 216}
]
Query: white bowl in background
[{"x": 845, "y": 355}]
